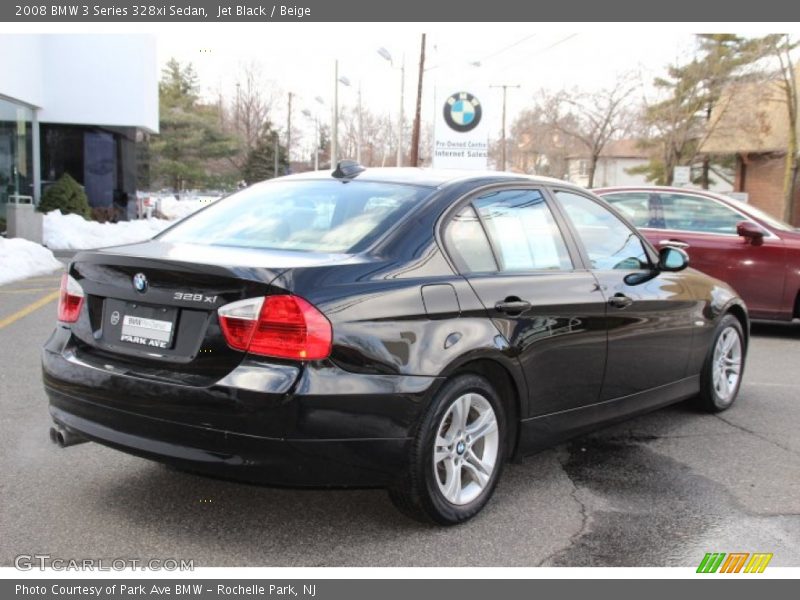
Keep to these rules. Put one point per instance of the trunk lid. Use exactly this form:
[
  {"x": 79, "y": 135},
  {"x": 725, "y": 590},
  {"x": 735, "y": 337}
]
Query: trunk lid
[{"x": 152, "y": 307}]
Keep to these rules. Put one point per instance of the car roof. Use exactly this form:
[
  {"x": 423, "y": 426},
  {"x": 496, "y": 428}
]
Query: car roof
[
  {"x": 661, "y": 188},
  {"x": 431, "y": 177}
]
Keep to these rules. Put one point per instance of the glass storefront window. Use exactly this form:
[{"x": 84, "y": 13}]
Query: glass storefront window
[{"x": 16, "y": 154}]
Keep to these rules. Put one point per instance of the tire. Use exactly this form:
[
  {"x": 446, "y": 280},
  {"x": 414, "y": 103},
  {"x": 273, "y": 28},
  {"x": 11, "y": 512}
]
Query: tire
[
  {"x": 722, "y": 371},
  {"x": 454, "y": 489}
]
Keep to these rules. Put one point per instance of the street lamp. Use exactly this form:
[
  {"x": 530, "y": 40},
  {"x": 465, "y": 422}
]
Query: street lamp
[
  {"x": 386, "y": 55},
  {"x": 335, "y": 121},
  {"x": 321, "y": 102},
  {"x": 307, "y": 113},
  {"x": 346, "y": 82}
]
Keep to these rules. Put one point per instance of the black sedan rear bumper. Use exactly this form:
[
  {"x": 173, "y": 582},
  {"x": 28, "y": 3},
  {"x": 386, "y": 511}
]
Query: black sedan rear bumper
[
  {"x": 304, "y": 438},
  {"x": 224, "y": 454}
]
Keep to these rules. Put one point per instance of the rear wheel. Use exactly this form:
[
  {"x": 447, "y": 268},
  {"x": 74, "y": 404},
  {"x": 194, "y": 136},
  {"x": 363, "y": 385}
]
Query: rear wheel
[
  {"x": 722, "y": 372},
  {"x": 457, "y": 454}
]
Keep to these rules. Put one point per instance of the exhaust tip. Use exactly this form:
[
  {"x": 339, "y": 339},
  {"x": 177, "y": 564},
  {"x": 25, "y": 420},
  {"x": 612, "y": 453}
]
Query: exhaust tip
[
  {"x": 64, "y": 438},
  {"x": 54, "y": 437}
]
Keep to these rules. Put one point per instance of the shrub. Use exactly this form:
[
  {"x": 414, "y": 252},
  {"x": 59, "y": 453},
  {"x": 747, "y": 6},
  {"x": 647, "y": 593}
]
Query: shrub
[
  {"x": 66, "y": 195},
  {"x": 105, "y": 214}
]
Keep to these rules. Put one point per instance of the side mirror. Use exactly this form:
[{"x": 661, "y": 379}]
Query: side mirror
[
  {"x": 750, "y": 232},
  {"x": 672, "y": 259}
]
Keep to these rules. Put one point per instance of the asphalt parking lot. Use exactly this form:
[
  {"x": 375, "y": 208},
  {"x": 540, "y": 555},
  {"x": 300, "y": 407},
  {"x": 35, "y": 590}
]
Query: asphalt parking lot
[{"x": 660, "y": 490}]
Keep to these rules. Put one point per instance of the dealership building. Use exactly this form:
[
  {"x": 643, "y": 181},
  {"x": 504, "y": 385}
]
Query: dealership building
[{"x": 75, "y": 104}]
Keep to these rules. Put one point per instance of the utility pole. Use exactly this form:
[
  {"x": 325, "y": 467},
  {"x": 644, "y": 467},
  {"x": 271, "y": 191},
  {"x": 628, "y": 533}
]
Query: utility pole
[
  {"x": 360, "y": 126},
  {"x": 277, "y": 149},
  {"x": 289, "y": 132},
  {"x": 418, "y": 109},
  {"x": 335, "y": 119},
  {"x": 400, "y": 116},
  {"x": 505, "y": 87},
  {"x": 238, "y": 104}
]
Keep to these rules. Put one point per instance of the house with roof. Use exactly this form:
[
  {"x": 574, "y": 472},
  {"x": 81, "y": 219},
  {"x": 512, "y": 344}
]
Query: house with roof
[
  {"x": 617, "y": 158},
  {"x": 751, "y": 122}
]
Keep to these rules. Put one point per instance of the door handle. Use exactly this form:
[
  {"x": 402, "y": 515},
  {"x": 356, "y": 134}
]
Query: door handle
[
  {"x": 674, "y": 244},
  {"x": 512, "y": 305},
  {"x": 620, "y": 301}
]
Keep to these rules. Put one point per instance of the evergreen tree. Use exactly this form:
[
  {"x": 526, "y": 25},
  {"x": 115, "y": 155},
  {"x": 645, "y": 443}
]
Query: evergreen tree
[
  {"x": 190, "y": 135},
  {"x": 260, "y": 162},
  {"x": 680, "y": 121}
]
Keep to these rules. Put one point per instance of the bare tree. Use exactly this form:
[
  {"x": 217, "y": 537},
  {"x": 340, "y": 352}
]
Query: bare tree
[
  {"x": 592, "y": 118},
  {"x": 379, "y": 141},
  {"x": 248, "y": 112},
  {"x": 536, "y": 145}
]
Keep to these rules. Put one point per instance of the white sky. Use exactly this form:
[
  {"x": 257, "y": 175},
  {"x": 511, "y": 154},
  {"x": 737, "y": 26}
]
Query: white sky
[{"x": 300, "y": 58}]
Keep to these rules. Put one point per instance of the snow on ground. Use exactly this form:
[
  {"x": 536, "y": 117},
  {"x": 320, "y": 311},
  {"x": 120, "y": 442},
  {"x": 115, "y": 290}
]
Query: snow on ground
[
  {"x": 171, "y": 208},
  {"x": 20, "y": 258},
  {"x": 73, "y": 232}
]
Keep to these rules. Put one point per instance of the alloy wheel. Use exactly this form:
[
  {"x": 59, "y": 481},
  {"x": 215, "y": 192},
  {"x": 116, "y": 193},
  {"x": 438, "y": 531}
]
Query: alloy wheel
[
  {"x": 727, "y": 365},
  {"x": 466, "y": 448}
]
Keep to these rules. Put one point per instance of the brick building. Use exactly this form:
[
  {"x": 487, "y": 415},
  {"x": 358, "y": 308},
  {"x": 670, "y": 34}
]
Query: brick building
[{"x": 751, "y": 122}]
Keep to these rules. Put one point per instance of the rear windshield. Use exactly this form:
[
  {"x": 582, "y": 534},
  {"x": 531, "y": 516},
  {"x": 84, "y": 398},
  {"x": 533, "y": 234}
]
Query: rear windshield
[{"x": 311, "y": 216}]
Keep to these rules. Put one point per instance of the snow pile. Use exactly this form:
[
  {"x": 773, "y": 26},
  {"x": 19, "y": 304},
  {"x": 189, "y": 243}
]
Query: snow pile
[
  {"x": 72, "y": 232},
  {"x": 171, "y": 208},
  {"x": 21, "y": 258}
]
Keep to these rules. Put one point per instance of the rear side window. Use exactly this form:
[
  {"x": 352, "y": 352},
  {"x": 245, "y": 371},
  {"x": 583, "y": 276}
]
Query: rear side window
[
  {"x": 675, "y": 211},
  {"x": 692, "y": 213},
  {"x": 524, "y": 235},
  {"x": 465, "y": 239},
  {"x": 523, "y": 231},
  {"x": 311, "y": 216}
]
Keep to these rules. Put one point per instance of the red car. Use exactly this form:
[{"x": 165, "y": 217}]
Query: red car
[{"x": 752, "y": 251}]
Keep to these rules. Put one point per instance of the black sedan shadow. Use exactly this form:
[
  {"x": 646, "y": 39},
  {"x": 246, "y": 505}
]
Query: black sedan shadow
[{"x": 776, "y": 330}]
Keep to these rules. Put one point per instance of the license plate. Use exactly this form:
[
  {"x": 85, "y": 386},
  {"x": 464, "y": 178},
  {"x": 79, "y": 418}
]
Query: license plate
[{"x": 146, "y": 332}]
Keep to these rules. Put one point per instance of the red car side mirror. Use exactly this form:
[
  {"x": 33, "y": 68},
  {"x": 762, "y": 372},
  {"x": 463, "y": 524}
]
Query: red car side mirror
[{"x": 750, "y": 232}]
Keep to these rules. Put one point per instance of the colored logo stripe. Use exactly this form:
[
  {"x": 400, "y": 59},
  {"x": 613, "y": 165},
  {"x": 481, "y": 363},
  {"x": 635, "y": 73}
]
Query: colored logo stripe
[
  {"x": 734, "y": 562},
  {"x": 758, "y": 562},
  {"x": 711, "y": 562}
]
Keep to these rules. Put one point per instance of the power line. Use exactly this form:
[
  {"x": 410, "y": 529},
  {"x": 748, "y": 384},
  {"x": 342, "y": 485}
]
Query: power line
[
  {"x": 509, "y": 47},
  {"x": 518, "y": 59}
]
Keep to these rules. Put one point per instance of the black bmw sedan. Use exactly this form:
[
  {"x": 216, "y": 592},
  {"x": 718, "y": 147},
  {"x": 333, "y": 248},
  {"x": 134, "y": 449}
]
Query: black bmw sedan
[{"x": 403, "y": 328}]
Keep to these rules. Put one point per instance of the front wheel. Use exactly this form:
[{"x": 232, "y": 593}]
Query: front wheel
[
  {"x": 457, "y": 454},
  {"x": 722, "y": 372}
]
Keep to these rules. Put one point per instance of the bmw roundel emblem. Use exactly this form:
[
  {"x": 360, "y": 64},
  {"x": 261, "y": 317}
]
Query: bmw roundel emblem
[
  {"x": 140, "y": 282},
  {"x": 462, "y": 112}
]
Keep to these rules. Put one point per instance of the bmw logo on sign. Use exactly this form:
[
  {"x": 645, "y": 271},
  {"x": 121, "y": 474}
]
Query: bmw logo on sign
[
  {"x": 462, "y": 112},
  {"x": 140, "y": 282}
]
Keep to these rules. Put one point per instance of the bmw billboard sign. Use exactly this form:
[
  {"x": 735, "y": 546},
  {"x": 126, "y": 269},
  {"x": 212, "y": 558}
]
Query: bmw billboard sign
[
  {"x": 460, "y": 134},
  {"x": 462, "y": 112}
]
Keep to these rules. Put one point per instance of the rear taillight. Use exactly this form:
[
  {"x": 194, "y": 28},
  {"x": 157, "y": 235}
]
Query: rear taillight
[
  {"x": 70, "y": 300},
  {"x": 281, "y": 326}
]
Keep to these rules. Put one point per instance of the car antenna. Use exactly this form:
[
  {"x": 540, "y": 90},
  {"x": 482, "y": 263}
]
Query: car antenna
[{"x": 348, "y": 169}]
